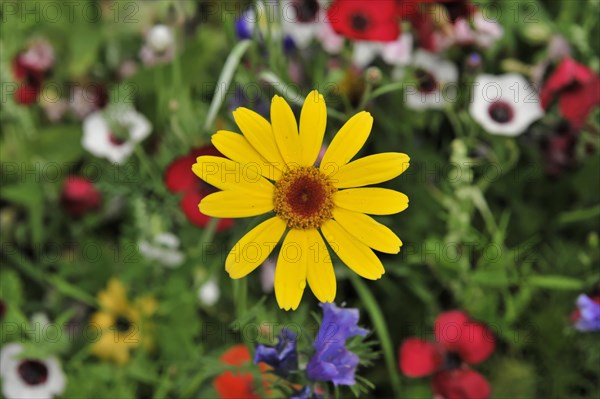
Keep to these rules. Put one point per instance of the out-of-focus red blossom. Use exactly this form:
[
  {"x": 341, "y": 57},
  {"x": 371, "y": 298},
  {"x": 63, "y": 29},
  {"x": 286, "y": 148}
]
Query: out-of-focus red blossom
[
  {"x": 460, "y": 342},
  {"x": 235, "y": 385},
  {"x": 179, "y": 178},
  {"x": 374, "y": 20},
  {"x": 80, "y": 196},
  {"x": 460, "y": 384},
  {"x": 430, "y": 16},
  {"x": 29, "y": 69},
  {"x": 577, "y": 88},
  {"x": 29, "y": 81},
  {"x": 2, "y": 309}
]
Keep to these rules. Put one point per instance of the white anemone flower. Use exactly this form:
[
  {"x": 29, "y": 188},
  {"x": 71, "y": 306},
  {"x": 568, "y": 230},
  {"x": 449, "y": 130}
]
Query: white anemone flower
[
  {"x": 209, "y": 293},
  {"x": 101, "y": 141},
  {"x": 163, "y": 249},
  {"x": 505, "y": 105},
  {"x": 29, "y": 378},
  {"x": 436, "y": 82}
]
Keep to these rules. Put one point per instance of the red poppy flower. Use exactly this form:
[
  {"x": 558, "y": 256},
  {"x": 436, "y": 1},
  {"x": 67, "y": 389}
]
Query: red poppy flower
[
  {"x": 374, "y": 20},
  {"x": 459, "y": 342},
  {"x": 79, "y": 196},
  {"x": 179, "y": 178},
  {"x": 577, "y": 88},
  {"x": 29, "y": 79},
  {"x": 235, "y": 385}
]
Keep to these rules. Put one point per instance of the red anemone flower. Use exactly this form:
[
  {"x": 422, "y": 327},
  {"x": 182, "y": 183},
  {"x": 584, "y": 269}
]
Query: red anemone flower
[
  {"x": 460, "y": 342},
  {"x": 374, "y": 20},
  {"x": 179, "y": 178},
  {"x": 577, "y": 88},
  {"x": 80, "y": 196}
]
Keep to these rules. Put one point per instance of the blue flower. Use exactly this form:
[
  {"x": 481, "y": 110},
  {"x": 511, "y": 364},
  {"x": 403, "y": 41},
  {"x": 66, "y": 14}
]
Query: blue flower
[
  {"x": 332, "y": 360},
  {"x": 588, "y": 314},
  {"x": 306, "y": 393},
  {"x": 283, "y": 357}
]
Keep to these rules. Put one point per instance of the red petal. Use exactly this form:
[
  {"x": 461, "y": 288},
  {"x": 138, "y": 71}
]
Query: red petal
[
  {"x": 449, "y": 328},
  {"x": 26, "y": 94},
  {"x": 461, "y": 384},
  {"x": 477, "y": 343},
  {"x": 374, "y": 20},
  {"x": 576, "y": 104},
  {"x": 237, "y": 355},
  {"x": 236, "y": 385},
  {"x": 425, "y": 29},
  {"x": 457, "y": 333},
  {"x": 567, "y": 73},
  {"x": 419, "y": 358},
  {"x": 189, "y": 206},
  {"x": 179, "y": 176}
]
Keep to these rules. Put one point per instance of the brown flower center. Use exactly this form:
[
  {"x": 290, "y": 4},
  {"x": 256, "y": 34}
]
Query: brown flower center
[{"x": 304, "y": 198}]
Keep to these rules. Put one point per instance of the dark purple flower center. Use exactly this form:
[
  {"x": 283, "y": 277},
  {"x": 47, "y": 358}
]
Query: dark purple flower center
[
  {"x": 33, "y": 372},
  {"x": 122, "y": 324},
  {"x": 501, "y": 112},
  {"x": 452, "y": 361},
  {"x": 306, "y": 10},
  {"x": 359, "y": 22},
  {"x": 427, "y": 82},
  {"x": 116, "y": 140}
]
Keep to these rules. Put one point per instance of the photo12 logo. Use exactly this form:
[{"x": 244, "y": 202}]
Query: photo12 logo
[{"x": 68, "y": 11}]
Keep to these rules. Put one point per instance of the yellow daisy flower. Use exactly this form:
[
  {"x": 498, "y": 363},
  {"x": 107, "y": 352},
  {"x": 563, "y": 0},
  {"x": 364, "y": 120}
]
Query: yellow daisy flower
[
  {"x": 120, "y": 324},
  {"x": 271, "y": 168}
]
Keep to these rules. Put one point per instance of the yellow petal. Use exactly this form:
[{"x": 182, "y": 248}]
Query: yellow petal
[
  {"x": 114, "y": 297},
  {"x": 226, "y": 174},
  {"x": 253, "y": 248},
  {"x": 368, "y": 231},
  {"x": 236, "y": 204},
  {"x": 371, "y": 200},
  {"x": 237, "y": 148},
  {"x": 290, "y": 272},
  {"x": 370, "y": 170},
  {"x": 348, "y": 141},
  {"x": 285, "y": 130},
  {"x": 313, "y": 120},
  {"x": 259, "y": 134},
  {"x": 356, "y": 255},
  {"x": 321, "y": 277}
]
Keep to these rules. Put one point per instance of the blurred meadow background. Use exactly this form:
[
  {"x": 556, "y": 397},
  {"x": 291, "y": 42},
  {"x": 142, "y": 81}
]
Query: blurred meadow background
[{"x": 113, "y": 285}]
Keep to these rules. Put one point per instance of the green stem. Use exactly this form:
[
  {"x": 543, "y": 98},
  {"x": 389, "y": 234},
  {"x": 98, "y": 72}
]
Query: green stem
[
  {"x": 240, "y": 292},
  {"x": 224, "y": 81},
  {"x": 380, "y": 328}
]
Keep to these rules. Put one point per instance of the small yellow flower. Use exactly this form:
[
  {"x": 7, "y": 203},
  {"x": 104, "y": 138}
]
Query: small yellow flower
[
  {"x": 121, "y": 325},
  {"x": 309, "y": 202}
]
